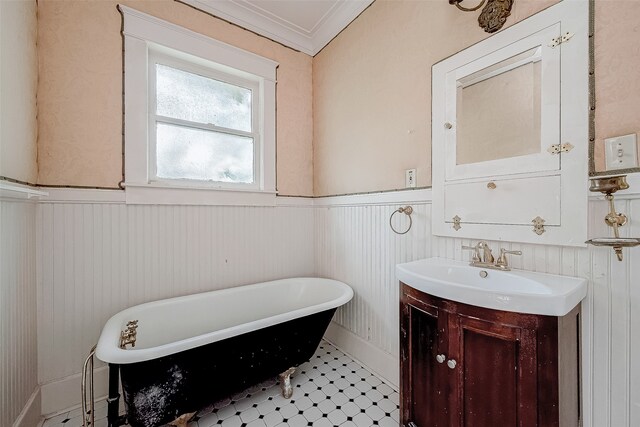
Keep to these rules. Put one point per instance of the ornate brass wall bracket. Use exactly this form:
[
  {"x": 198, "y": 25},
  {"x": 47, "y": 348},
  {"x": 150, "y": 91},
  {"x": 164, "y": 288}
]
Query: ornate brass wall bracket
[
  {"x": 493, "y": 15},
  {"x": 538, "y": 225},
  {"x": 608, "y": 186}
]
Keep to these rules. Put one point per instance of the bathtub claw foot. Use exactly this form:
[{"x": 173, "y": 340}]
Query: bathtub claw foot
[
  {"x": 285, "y": 383},
  {"x": 182, "y": 420}
]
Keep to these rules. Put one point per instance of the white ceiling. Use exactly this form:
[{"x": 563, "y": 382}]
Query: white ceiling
[{"x": 304, "y": 25}]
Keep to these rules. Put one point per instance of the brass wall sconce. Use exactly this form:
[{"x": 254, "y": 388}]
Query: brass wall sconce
[
  {"x": 608, "y": 186},
  {"x": 493, "y": 15}
]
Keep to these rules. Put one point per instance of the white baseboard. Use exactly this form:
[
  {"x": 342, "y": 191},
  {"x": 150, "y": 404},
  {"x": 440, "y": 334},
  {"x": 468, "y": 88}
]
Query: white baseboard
[
  {"x": 380, "y": 362},
  {"x": 31, "y": 413},
  {"x": 62, "y": 394}
]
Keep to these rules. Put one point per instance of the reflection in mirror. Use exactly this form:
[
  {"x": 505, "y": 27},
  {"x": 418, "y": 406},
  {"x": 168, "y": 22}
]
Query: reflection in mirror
[{"x": 498, "y": 110}]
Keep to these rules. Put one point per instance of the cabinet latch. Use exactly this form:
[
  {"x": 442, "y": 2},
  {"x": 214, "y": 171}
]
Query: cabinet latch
[
  {"x": 538, "y": 225},
  {"x": 456, "y": 223},
  {"x": 560, "y": 148},
  {"x": 557, "y": 41}
]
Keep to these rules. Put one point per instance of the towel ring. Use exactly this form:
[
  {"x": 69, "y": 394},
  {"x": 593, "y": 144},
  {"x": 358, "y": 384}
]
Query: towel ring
[{"x": 407, "y": 210}]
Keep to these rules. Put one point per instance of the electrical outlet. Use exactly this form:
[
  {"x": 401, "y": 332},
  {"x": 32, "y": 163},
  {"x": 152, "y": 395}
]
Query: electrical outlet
[
  {"x": 621, "y": 152},
  {"x": 410, "y": 178}
]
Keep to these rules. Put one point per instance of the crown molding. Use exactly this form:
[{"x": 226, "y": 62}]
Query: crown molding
[
  {"x": 335, "y": 21},
  {"x": 253, "y": 18}
]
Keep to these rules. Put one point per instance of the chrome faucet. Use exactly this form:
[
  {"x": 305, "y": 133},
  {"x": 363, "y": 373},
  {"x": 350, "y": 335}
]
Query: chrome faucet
[
  {"x": 481, "y": 253},
  {"x": 483, "y": 257},
  {"x": 487, "y": 256}
]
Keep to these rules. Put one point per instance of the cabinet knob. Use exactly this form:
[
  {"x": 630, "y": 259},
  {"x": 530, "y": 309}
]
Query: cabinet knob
[
  {"x": 441, "y": 358},
  {"x": 451, "y": 364}
]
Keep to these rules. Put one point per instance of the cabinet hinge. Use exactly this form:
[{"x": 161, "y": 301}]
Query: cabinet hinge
[
  {"x": 560, "y": 148},
  {"x": 557, "y": 41}
]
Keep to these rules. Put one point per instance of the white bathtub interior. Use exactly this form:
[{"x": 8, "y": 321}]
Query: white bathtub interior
[{"x": 177, "y": 324}]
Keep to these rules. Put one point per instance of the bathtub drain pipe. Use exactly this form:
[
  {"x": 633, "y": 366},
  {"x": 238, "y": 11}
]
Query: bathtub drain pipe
[{"x": 88, "y": 408}]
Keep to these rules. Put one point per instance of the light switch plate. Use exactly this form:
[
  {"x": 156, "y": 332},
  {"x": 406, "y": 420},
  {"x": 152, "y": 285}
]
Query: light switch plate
[
  {"x": 410, "y": 178},
  {"x": 621, "y": 152}
]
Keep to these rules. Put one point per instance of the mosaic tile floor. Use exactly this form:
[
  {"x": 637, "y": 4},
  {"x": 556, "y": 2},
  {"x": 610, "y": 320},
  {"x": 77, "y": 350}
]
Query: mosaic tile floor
[{"x": 329, "y": 390}]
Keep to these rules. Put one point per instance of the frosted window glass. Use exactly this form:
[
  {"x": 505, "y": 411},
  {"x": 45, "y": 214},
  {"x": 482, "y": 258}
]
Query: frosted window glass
[
  {"x": 188, "y": 96},
  {"x": 187, "y": 153}
]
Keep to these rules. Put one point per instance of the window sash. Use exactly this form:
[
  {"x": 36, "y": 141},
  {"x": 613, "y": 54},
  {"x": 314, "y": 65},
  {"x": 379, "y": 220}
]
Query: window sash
[
  {"x": 203, "y": 126},
  {"x": 212, "y": 73}
]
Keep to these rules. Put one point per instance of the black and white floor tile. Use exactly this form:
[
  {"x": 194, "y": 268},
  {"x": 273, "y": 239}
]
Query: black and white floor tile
[{"x": 329, "y": 390}]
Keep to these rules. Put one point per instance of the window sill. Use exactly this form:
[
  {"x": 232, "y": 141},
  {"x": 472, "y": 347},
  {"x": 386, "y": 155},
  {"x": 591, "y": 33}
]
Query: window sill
[{"x": 155, "y": 194}]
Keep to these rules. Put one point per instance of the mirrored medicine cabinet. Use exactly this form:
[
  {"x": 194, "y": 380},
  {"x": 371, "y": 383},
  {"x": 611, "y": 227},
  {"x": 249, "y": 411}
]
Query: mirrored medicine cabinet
[{"x": 510, "y": 133}]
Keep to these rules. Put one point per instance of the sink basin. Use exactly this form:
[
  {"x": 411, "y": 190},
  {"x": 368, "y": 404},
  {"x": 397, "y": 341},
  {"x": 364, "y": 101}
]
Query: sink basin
[{"x": 515, "y": 290}]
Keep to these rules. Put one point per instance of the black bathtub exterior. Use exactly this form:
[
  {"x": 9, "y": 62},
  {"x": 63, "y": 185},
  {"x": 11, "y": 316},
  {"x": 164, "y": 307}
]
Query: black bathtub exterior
[{"x": 160, "y": 390}]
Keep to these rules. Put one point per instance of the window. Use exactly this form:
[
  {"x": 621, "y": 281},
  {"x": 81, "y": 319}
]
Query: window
[
  {"x": 199, "y": 115},
  {"x": 203, "y": 124}
]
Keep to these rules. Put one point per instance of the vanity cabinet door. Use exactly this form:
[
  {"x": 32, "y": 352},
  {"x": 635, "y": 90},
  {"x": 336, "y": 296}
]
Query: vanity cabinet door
[
  {"x": 500, "y": 369},
  {"x": 424, "y": 383},
  {"x": 493, "y": 373}
]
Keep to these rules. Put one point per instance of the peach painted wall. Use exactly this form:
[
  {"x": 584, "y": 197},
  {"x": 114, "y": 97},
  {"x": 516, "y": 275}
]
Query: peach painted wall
[
  {"x": 372, "y": 92},
  {"x": 80, "y": 91},
  {"x": 617, "y": 61},
  {"x": 372, "y": 87},
  {"x": 18, "y": 83}
]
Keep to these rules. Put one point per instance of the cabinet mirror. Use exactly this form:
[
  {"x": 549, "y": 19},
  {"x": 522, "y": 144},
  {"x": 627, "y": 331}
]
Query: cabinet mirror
[
  {"x": 498, "y": 110},
  {"x": 503, "y": 109}
]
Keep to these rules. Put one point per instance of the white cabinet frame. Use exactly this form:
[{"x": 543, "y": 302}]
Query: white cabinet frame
[{"x": 570, "y": 16}]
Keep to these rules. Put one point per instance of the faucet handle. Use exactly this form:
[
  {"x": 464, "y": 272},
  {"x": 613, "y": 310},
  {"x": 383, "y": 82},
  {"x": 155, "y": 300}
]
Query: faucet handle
[
  {"x": 502, "y": 260},
  {"x": 476, "y": 253}
]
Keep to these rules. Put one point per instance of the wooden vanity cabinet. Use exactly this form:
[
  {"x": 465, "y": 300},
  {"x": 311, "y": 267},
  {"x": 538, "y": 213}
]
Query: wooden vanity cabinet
[{"x": 466, "y": 366}]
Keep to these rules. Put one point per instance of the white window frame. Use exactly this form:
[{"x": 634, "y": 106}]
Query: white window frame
[{"x": 147, "y": 38}]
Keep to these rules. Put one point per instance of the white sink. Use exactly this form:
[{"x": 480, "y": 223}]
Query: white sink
[{"x": 515, "y": 290}]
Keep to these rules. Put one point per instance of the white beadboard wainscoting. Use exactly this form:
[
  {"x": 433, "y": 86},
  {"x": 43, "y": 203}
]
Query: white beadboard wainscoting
[
  {"x": 97, "y": 255},
  {"x": 19, "y": 391},
  {"x": 95, "y": 259},
  {"x": 355, "y": 244}
]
